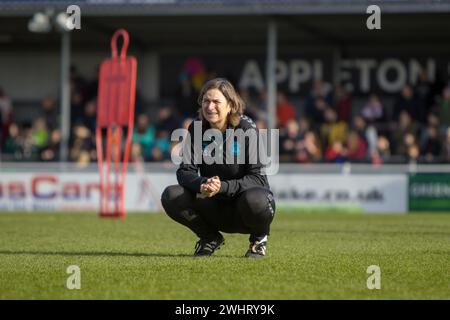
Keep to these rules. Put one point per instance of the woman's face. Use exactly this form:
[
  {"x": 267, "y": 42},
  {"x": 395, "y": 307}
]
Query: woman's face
[{"x": 215, "y": 108}]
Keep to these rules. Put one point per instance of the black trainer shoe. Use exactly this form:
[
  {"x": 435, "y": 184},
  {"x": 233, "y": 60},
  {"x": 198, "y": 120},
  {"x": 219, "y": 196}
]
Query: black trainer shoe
[
  {"x": 257, "y": 249},
  {"x": 206, "y": 247}
]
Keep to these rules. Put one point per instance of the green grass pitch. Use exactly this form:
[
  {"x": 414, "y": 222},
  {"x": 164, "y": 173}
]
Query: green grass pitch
[{"x": 148, "y": 256}]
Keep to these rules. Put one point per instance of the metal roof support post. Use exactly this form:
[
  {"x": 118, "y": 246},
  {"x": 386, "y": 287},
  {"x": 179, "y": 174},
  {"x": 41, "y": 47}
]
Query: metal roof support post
[
  {"x": 271, "y": 82},
  {"x": 65, "y": 96}
]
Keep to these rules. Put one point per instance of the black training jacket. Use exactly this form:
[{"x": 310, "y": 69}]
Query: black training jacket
[{"x": 235, "y": 177}]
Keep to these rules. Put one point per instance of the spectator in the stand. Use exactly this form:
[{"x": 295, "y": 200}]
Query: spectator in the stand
[
  {"x": 285, "y": 110},
  {"x": 446, "y": 147},
  {"x": 413, "y": 154},
  {"x": 167, "y": 120},
  {"x": 356, "y": 148},
  {"x": 309, "y": 149},
  {"x": 432, "y": 121},
  {"x": 289, "y": 141},
  {"x": 76, "y": 106},
  {"x": 405, "y": 126},
  {"x": 367, "y": 132},
  {"x": 317, "y": 112},
  {"x": 336, "y": 153},
  {"x": 304, "y": 126},
  {"x": 373, "y": 111},
  {"x": 82, "y": 144},
  {"x": 408, "y": 147},
  {"x": 191, "y": 78},
  {"x": 50, "y": 113},
  {"x": 187, "y": 98},
  {"x": 431, "y": 149},
  {"x": 161, "y": 148},
  {"x": 137, "y": 155},
  {"x": 407, "y": 101},
  {"x": 89, "y": 117},
  {"x": 444, "y": 107},
  {"x": 382, "y": 152},
  {"x": 166, "y": 123},
  {"x": 343, "y": 103},
  {"x": 51, "y": 152},
  {"x": 332, "y": 130},
  {"x": 39, "y": 134},
  {"x": 5, "y": 116},
  {"x": 144, "y": 135},
  {"x": 13, "y": 141},
  {"x": 424, "y": 91},
  {"x": 28, "y": 150},
  {"x": 319, "y": 99}
]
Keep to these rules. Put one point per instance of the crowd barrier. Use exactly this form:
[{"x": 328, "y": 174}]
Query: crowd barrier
[{"x": 349, "y": 188}]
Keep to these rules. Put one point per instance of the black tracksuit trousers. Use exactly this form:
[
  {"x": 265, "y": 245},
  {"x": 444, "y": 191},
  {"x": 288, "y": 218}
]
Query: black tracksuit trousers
[{"x": 250, "y": 212}]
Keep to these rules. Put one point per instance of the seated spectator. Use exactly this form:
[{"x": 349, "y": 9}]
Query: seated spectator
[
  {"x": 83, "y": 142},
  {"x": 161, "y": 147},
  {"x": 336, "y": 153},
  {"x": 432, "y": 121},
  {"x": 409, "y": 141},
  {"x": 444, "y": 107},
  {"x": 446, "y": 147},
  {"x": 320, "y": 90},
  {"x": 167, "y": 120},
  {"x": 39, "y": 133},
  {"x": 373, "y": 111},
  {"x": 309, "y": 149},
  {"x": 367, "y": 132},
  {"x": 289, "y": 140},
  {"x": 431, "y": 149},
  {"x": 84, "y": 159},
  {"x": 382, "y": 153},
  {"x": 405, "y": 126},
  {"x": 89, "y": 116},
  {"x": 317, "y": 112},
  {"x": 343, "y": 103},
  {"x": 285, "y": 110},
  {"x": 144, "y": 134},
  {"x": 408, "y": 102},
  {"x": 356, "y": 148},
  {"x": 13, "y": 141},
  {"x": 50, "y": 113},
  {"x": 51, "y": 152},
  {"x": 413, "y": 154},
  {"x": 28, "y": 151},
  {"x": 304, "y": 127},
  {"x": 136, "y": 153},
  {"x": 333, "y": 129},
  {"x": 5, "y": 115},
  {"x": 424, "y": 91}
]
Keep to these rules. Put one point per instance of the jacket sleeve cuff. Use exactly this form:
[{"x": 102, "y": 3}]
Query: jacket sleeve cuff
[
  {"x": 223, "y": 187},
  {"x": 200, "y": 182}
]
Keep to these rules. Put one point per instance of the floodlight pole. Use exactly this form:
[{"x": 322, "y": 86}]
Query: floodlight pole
[
  {"x": 271, "y": 82},
  {"x": 65, "y": 96}
]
